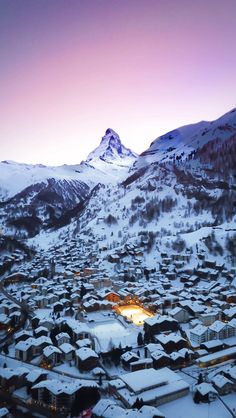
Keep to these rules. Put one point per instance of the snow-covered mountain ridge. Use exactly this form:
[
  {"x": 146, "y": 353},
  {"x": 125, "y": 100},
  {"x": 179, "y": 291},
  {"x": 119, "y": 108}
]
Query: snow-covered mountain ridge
[
  {"x": 180, "y": 142},
  {"x": 190, "y": 169}
]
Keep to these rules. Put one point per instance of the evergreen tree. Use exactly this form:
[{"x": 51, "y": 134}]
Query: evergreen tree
[
  {"x": 140, "y": 339},
  {"x": 196, "y": 397},
  {"x": 200, "y": 379}
]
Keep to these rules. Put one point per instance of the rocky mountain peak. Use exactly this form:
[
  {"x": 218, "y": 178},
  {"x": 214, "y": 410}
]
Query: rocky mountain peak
[{"x": 111, "y": 151}]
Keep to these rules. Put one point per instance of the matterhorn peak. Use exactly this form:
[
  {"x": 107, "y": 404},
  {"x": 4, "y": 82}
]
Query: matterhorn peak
[
  {"x": 110, "y": 131},
  {"x": 112, "y": 140},
  {"x": 111, "y": 151}
]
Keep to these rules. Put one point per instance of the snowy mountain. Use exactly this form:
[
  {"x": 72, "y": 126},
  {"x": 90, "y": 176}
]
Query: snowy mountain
[
  {"x": 33, "y": 197},
  {"x": 188, "y": 174},
  {"x": 181, "y": 142},
  {"x": 171, "y": 199},
  {"x": 111, "y": 155},
  {"x": 15, "y": 177}
]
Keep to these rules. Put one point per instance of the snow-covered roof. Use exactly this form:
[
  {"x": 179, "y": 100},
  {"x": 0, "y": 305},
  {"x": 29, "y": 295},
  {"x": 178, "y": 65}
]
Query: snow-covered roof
[
  {"x": 172, "y": 337},
  {"x": 129, "y": 355},
  {"x": 217, "y": 326},
  {"x": 217, "y": 355},
  {"x": 57, "y": 387},
  {"x": 158, "y": 319},
  {"x": 156, "y": 355},
  {"x": 62, "y": 335},
  {"x": 205, "y": 388},
  {"x": 50, "y": 349},
  {"x": 66, "y": 348},
  {"x": 101, "y": 406},
  {"x": 220, "y": 381},
  {"x": 85, "y": 352},
  {"x": 35, "y": 374},
  {"x": 3, "y": 412},
  {"x": 199, "y": 330},
  {"x": 142, "y": 380}
]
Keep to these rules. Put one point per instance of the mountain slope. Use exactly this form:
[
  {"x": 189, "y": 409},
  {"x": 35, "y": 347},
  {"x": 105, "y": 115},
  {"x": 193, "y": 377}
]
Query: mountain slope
[
  {"x": 35, "y": 197},
  {"x": 181, "y": 142},
  {"x": 170, "y": 201}
]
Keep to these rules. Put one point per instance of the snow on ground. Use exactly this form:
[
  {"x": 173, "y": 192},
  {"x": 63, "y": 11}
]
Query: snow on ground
[
  {"x": 185, "y": 407},
  {"x": 72, "y": 371},
  {"x": 43, "y": 314},
  {"x": 113, "y": 333}
]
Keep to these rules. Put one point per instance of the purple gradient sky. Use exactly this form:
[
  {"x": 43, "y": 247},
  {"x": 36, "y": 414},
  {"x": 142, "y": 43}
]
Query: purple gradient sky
[{"x": 69, "y": 69}]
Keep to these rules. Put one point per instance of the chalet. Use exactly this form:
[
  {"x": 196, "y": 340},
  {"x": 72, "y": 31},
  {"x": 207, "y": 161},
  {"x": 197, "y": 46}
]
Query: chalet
[
  {"x": 62, "y": 338},
  {"x": 230, "y": 313},
  {"x": 23, "y": 335},
  {"x": 75, "y": 297},
  {"x": 171, "y": 342},
  {"x": 143, "y": 363},
  {"x": 24, "y": 349},
  {"x": 41, "y": 331},
  {"x": 5, "y": 321},
  {"x": 230, "y": 372},
  {"x": 80, "y": 330},
  {"x": 67, "y": 351},
  {"x": 41, "y": 301},
  {"x": 86, "y": 359},
  {"x": 176, "y": 359},
  {"x": 38, "y": 344},
  {"x": 52, "y": 355},
  {"x": 171, "y": 275},
  {"x": 179, "y": 314},
  {"x": 205, "y": 392},
  {"x": 35, "y": 376},
  {"x": 209, "y": 263},
  {"x": 88, "y": 271},
  {"x": 86, "y": 342},
  {"x": 127, "y": 358},
  {"x": 113, "y": 258},
  {"x": 108, "y": 295},
  {"x": 47, "y": 323},
  {"x": 222, "y": 384},
  {"x": 160, "y": 359},
  {"x": 187, "y": 353},
  {"x": 194, "y": 308},
  {"x": 8, "y": 378},
  {"x": 151, "y": 347},
  {"x": 158, "y": 324},
  {"x": 202, "y": 273},
  {"x": 103, "y": 407},
  {"x": 101, "y": 282}
]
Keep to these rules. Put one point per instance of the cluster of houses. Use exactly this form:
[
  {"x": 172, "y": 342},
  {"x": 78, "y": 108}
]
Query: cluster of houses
[
  {"x": 39, "y": 387},
  {"x": 10, "y": 314},
  {"x": 60, "y": 347},
  {"x": 192, "y": 321}
]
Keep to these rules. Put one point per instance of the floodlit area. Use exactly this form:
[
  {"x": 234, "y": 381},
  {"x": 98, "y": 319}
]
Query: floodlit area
[
  {"x": 109, "y": 329},
  {"x": 112, "y": 333},
  {"x": 135, "y": 313}
]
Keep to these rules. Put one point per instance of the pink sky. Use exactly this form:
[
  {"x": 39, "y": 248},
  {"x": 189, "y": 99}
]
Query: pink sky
[{"x": 69, "y": 69}]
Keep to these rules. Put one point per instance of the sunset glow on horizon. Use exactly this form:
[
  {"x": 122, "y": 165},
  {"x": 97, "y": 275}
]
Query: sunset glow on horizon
[{"x": 72, "y": 68}]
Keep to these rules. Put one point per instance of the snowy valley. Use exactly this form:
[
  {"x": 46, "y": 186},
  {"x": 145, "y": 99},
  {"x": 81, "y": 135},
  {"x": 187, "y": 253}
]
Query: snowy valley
[{"x": 118, "y": 278}]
